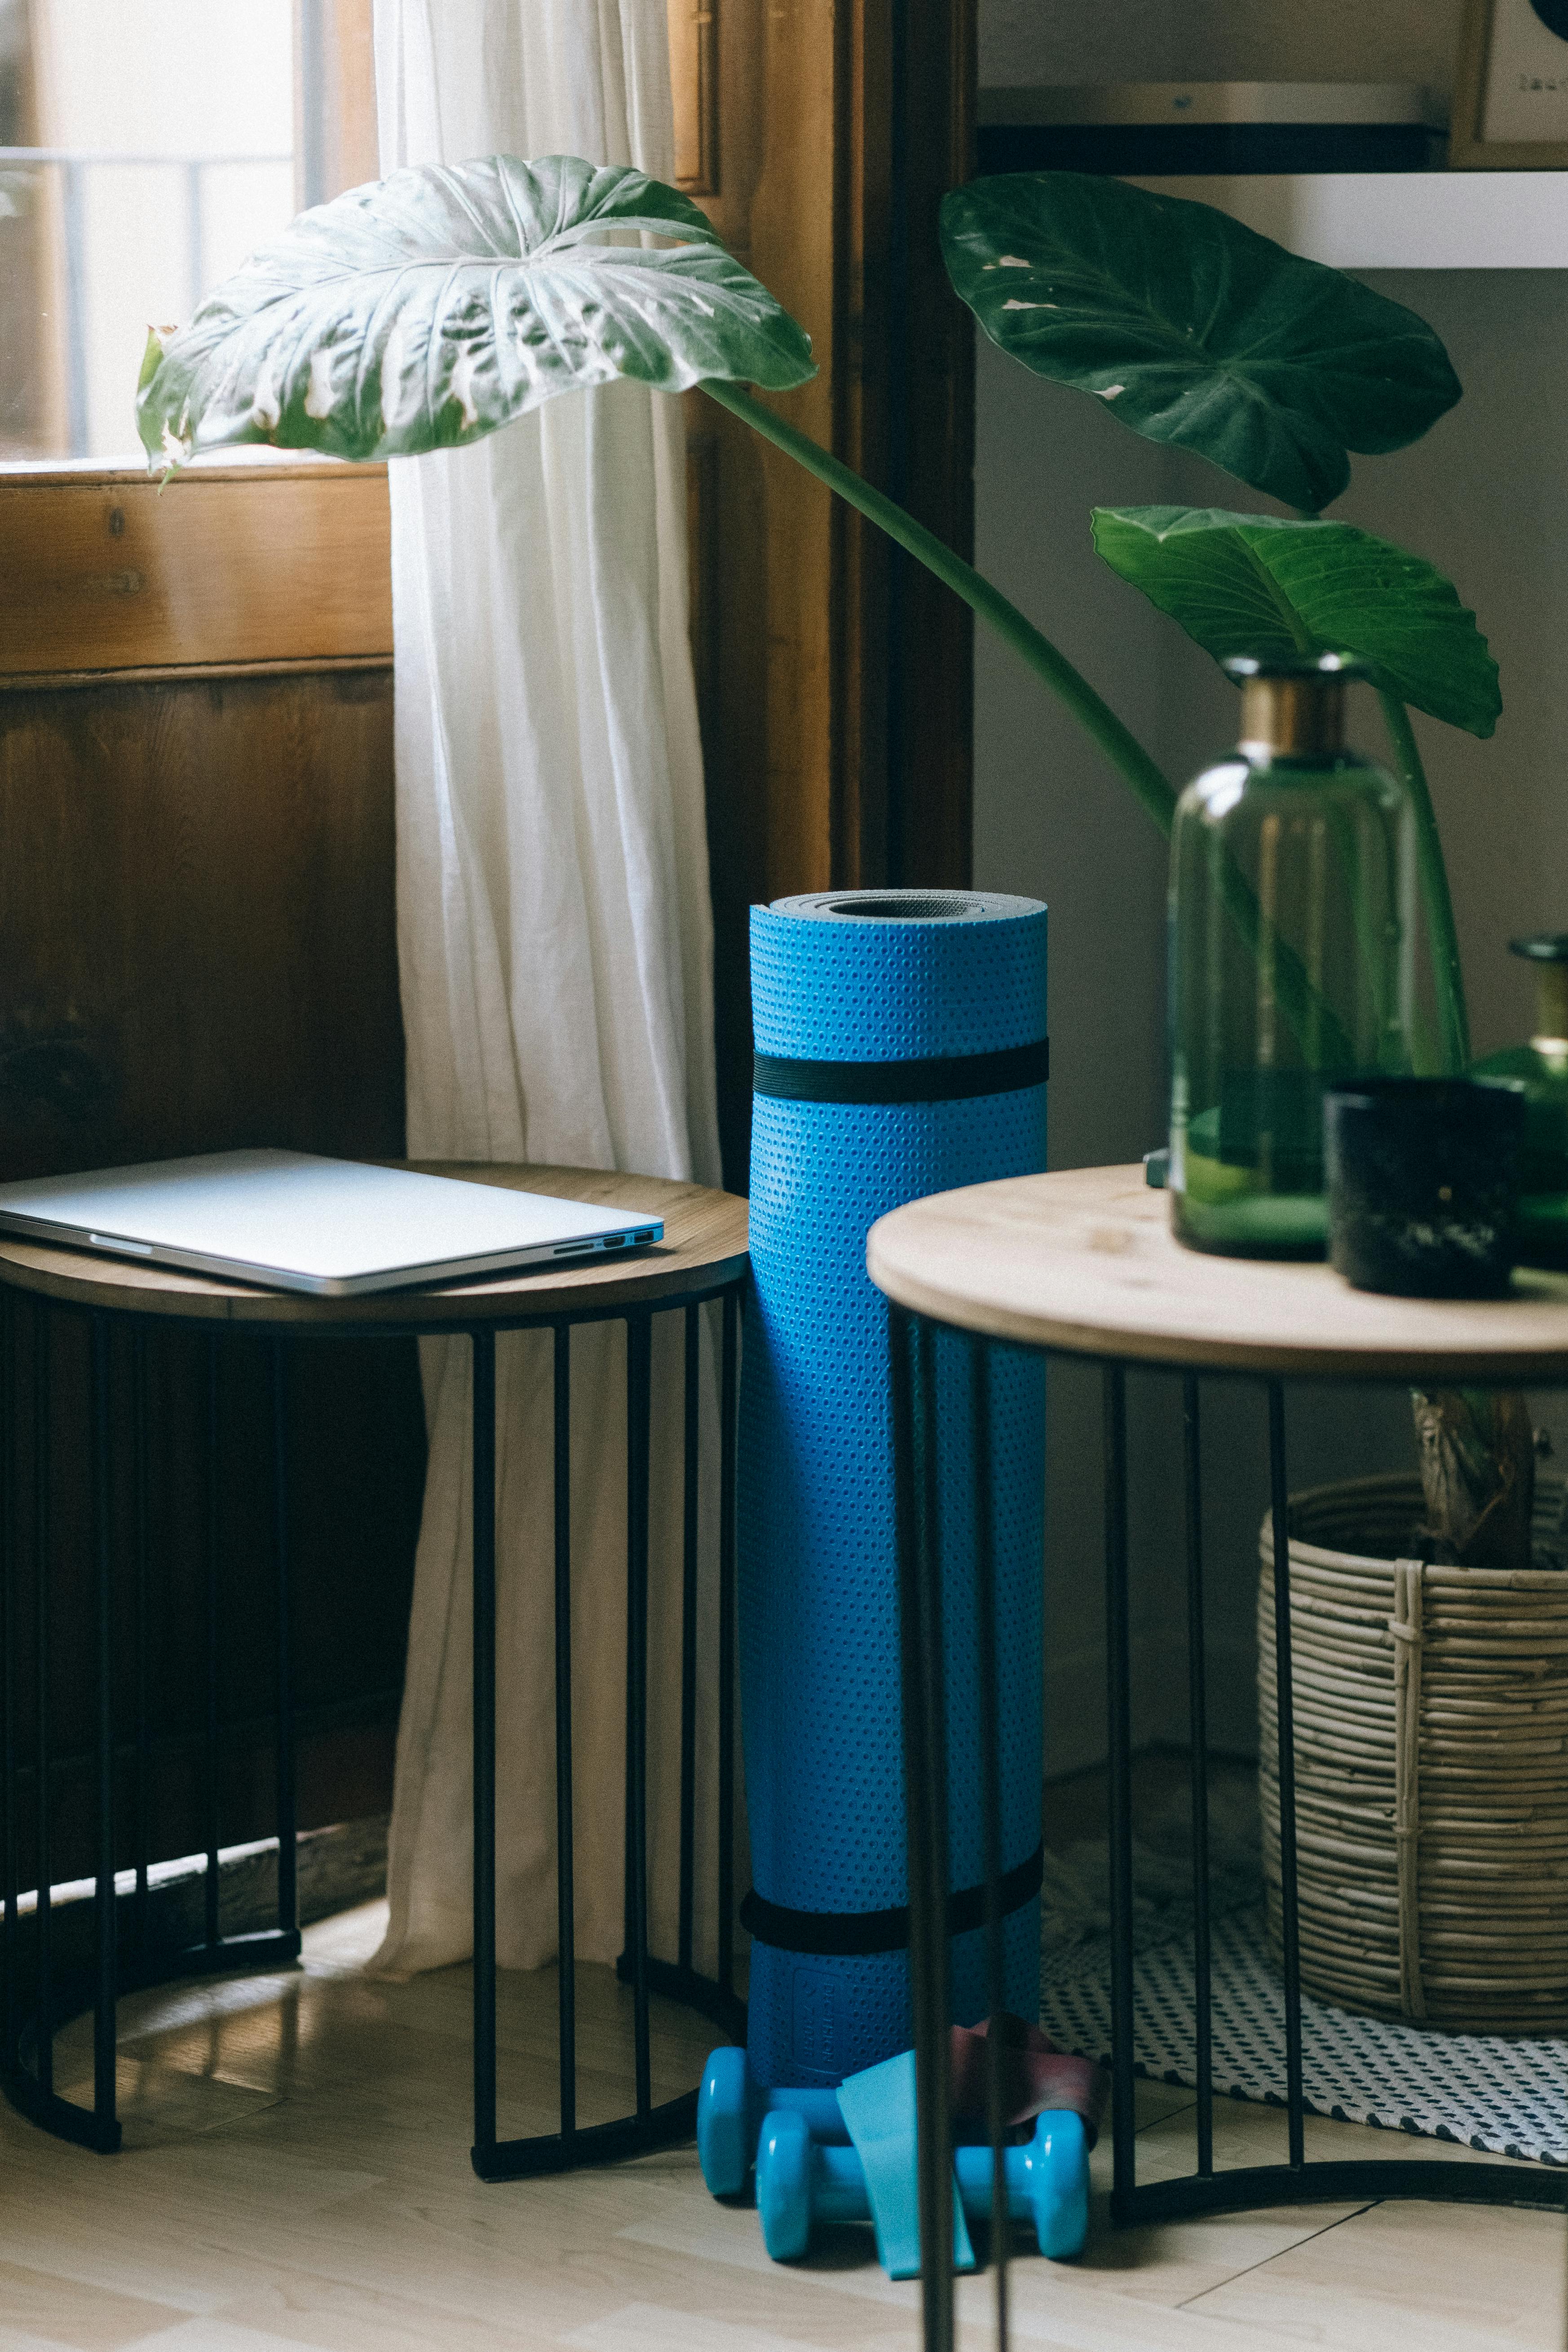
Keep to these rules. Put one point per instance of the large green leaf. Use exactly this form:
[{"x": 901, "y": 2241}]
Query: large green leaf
[
  {"x": 1195, "y": 330},
  {"x": 1245, "y": 584},
  {"x": 428, "y": 308}
]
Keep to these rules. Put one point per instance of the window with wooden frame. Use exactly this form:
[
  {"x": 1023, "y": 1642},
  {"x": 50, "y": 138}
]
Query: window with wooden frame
[
  {"x": 197, "y": 943},
  {"x": 144, "y": 150}
]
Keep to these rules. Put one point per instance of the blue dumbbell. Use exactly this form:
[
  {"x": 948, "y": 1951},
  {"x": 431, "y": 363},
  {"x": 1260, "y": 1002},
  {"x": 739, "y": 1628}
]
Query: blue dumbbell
[
  {"x": 801, "y": 2182},
  {"x": 731, "y": 2106}
]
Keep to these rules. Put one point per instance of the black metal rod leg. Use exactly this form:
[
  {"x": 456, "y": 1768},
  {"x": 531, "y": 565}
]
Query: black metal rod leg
[
  {"x": 689, "y": 1497},
  {"x": 105, "y": 1987},
  {"x": 214, "y": 1496},
  {"x": 43, "y": 1597},
  {"x": 1284, "y": 1717},
  {"x": 287, "y": 1807},
  {"x": 10, "y": 1867},
  {"x": 484, "y": 1580},
  {"x": 991, "y": 1799},
  {"x": 566, "y": 1931},
  {"x": 1119, "y": 1718},
  {"x": 639, "y": 1338},
  {"x": 1198, "y": 1717},
  {"x": 925, "y": 1799},
  {"x": 937, "y": 2133},
  {"x": 729, "y": 1383},
  {"x": 143, "y": 1798}
]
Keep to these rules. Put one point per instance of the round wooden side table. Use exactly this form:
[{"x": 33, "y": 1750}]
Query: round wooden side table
[
  {"x": 702, "y": 1258},
  {"x": 1084, "y": 1264}
]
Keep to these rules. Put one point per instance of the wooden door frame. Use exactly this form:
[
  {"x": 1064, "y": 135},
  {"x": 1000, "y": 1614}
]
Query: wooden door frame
[{"x": 835, "y": 676}]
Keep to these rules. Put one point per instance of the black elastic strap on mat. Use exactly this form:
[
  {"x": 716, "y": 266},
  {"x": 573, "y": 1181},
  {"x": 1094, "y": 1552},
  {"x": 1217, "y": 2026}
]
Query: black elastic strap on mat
[
  {"x": 839, "y": 1934},
  {"x": 947, "y": 1078}
]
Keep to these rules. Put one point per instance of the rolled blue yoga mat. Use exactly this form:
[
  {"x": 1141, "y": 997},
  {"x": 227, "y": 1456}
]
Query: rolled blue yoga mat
[{"x": 900, "y": 1045}]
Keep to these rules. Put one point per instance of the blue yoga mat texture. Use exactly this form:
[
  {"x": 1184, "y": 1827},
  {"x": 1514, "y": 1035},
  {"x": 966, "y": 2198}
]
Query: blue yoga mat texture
[{"x": 875, "y": 978}]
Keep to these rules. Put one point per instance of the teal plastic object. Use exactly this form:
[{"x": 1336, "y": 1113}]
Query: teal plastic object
[
  {"x": 879, "y": 2106},
  {"x": 800, "y": 2183},
  {"x": 731, "y": 2106},
  {"x": 785, "y": 2173}
]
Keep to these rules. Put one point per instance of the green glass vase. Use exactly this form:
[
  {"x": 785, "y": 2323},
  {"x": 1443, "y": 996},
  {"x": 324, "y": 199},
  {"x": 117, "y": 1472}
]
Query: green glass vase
[
  {"x": 1292, "y": 887},
  {"x": 1539, "y": 1071}
]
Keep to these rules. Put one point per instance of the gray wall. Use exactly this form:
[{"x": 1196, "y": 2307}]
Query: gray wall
[{"x": 1485, "y": 495}]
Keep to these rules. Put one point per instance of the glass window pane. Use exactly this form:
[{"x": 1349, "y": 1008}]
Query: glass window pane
[{"x": 146, "y": 148}]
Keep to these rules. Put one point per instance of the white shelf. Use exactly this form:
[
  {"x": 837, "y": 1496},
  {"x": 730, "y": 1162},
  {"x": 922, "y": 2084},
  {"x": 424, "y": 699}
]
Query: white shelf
[{"x": 1400, "y": 220}]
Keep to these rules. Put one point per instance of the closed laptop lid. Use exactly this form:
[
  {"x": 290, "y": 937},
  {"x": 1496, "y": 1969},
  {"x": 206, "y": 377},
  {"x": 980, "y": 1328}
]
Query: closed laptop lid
[{"x": 282, "y": 1213}]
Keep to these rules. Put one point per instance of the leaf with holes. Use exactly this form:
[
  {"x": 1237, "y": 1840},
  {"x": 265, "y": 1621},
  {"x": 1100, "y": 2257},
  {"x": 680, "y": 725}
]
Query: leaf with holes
[
  {"x": 1243, "y": 584},
  {"x": 1195, "y": 330},
  {"x": 424, "y": 311}
]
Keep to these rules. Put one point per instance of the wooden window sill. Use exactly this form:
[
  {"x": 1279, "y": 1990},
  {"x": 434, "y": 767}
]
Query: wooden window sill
[{"x": 252, "y": 567}]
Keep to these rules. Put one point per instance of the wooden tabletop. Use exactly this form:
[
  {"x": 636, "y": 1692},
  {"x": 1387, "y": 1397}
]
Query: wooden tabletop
[
  {"x": 704, "y": 1248},
  {"x": 1085, "y": 1263}
]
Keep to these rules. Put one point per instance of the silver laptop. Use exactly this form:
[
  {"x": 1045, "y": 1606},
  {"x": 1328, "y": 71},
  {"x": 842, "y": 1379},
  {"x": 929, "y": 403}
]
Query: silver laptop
[{"x": 334, "y": 1228}]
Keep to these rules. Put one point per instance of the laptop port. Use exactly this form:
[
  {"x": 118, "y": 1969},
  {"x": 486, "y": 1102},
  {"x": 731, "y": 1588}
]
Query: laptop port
[
  {"x": 614, "y": 1240},
  {"x": 571, "y": 1249}
]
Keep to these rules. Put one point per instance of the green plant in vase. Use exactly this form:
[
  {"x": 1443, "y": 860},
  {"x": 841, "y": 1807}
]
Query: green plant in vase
[
  {"x": 1197, "y": 332},
  {"x": 426, "y": 310}
]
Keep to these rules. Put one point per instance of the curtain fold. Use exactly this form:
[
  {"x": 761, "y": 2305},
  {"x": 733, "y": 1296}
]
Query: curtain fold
[{"x": 555, "y": 955}]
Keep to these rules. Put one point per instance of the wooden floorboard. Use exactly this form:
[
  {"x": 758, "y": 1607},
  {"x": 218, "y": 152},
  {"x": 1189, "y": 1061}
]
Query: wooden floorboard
[{"x": 296, "y": 2175}]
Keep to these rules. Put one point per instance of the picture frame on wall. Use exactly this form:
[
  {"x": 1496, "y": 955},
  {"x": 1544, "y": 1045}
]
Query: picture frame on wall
[{"x": 1510, "y": 89}]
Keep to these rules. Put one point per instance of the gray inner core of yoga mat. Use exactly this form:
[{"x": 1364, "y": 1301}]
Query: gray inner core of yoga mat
[{"x": 907, "y": 907}]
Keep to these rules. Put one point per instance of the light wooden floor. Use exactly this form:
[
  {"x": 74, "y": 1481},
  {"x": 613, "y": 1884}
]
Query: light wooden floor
[{"x": 297, "y": 2174}]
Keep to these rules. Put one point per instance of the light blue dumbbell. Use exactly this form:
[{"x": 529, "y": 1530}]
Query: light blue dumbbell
[
  {"x": 801, "y": 2182},
  {"x": 731, "y": 2106}
]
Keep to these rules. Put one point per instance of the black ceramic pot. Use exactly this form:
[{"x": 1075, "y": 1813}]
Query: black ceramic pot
[{"x": 1421, "y": 1181}]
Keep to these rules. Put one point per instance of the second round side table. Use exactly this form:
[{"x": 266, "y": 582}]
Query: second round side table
[
  {"x": 1083, "y": 1264},
  {"x": 701, "y": 1260}
]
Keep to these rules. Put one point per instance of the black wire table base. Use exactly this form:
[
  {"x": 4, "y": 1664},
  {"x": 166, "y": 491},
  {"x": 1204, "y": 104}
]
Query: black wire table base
[
  {"x": 41, "y": 1992},
  {"x": 916, "y": 1450},
  {"x": 649, "y": 2127}
]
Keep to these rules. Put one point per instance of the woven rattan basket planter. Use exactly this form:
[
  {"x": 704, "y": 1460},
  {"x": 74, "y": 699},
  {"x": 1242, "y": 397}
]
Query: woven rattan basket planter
[{"x": 1431, "y": 1714}]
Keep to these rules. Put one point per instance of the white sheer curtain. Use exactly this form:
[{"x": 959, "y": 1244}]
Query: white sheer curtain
[{"x": 553, "y": 934}]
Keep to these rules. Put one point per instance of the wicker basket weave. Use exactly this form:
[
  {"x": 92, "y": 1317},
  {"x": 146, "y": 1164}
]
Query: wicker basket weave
[{"x": 1431, "y": 1743}]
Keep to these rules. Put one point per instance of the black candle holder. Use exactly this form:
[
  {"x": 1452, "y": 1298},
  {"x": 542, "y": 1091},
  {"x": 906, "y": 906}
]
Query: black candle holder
[{"x": 1422, "y": 1181}]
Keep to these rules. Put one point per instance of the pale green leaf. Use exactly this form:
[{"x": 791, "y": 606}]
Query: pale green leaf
[{"x": 424, "y": 311}]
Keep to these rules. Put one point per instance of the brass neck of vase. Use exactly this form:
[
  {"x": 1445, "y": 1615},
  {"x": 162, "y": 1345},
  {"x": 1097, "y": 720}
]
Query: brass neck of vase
[
  {"x": 1292, "y": 717},
  {"x": 1551, "y": 1007}
]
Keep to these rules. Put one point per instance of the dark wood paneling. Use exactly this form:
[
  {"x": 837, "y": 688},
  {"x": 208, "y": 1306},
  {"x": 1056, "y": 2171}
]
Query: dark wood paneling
[
  {"x": 904, "y": 396},
  {"x": 356, "y": 1472},
  {"x": 931, "y": 783},
  {"x": 728, "y": 527},
  {"x": 196, "y": 921},
  {"x": 197, "y": 952}
]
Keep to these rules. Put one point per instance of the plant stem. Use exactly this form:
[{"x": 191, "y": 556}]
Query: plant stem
[
  {"x": 1306, "y": 1012},
  {"x": 1099, "y": 722},
  {"x": 1449, "y": 979}
]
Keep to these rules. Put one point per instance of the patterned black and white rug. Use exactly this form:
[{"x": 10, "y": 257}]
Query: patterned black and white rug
[{"x": 1506, "y": 2096}]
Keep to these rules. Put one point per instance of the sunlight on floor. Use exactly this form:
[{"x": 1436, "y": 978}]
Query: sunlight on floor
[{"x": 295, "y": 2174}]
